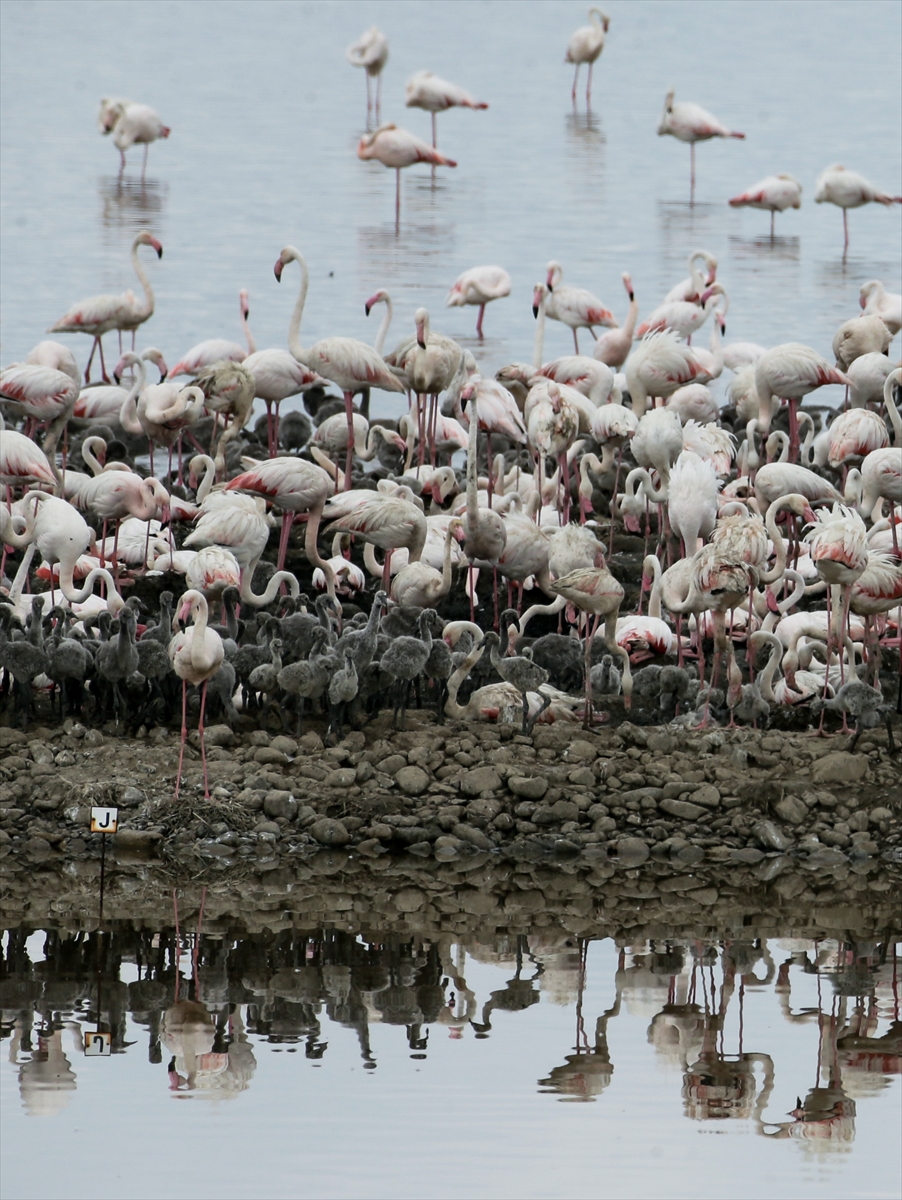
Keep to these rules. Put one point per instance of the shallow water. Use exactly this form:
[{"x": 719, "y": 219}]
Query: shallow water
[
  {"x": 266, "y": 113},
  {"x": 524, "y": 1066}
]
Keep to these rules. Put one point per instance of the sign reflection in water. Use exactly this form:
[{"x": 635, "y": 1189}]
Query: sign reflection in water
[{"x": 207, "y": 1007}]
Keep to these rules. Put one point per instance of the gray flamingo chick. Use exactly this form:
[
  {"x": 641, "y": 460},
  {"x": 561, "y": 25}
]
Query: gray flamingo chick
[{"x": 520, "y": 672}]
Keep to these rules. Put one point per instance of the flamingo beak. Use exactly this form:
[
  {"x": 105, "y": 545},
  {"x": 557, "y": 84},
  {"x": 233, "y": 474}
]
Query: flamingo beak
[
  {"x": 771, "y": 601},
  {"x": 366, "y": 308},
  {"x": 277, "y": 269},
  {"x": 535, "y": 310},
  {"x": 421, "y": 340},
  {"x": 156, "y": 245}
]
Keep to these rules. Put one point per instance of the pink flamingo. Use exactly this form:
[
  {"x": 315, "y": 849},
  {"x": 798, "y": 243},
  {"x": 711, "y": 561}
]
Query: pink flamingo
[
  {"x": 699, "y": 280},
  {"x": 585, "y": 46},
  {"x": 389, "y": 523},
  {"x": 614, "y": 345},
  {"x": 44, "y": 396},
  {"x": 774, "y": 194},
  {"x": 480, "y": 286},
  {"x": 196, "y": 654},
  {"x": 397, "y": 149},
  {"x": 350, "y": 364},
  {"x": 595, "y": 592},
  {"x": 370, "y": 51},
  {"x": 427, "y": 91},
  {"x": 216, "y": 350},
  {"x": 875, "y": 299},
  {"x": 131, "y": 125},
  {"x": 691, "y": 123},
  {"x": 683, "y": 316},
  {"x": 847, "y": 189},
  {"x": 659, "y": 365},
  {"x": 789, "y": 372},
  {"x": 56, "y": 355},
  {"x": 99, "y": 314},
  {"x": 573, "y": 306}
]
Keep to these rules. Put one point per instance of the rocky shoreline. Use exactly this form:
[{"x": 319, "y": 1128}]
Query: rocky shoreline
[{"x": 447, "y": 792}]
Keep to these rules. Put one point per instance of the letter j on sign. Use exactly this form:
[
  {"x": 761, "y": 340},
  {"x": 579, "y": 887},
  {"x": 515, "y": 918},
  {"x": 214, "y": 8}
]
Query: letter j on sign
[{"x": 104, "y": 820}]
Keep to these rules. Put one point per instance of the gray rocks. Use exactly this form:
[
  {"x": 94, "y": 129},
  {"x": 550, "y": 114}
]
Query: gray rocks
[
  {"x": 770, "y": 837},
  {"x": 840, "y": 767},
  {"x": 791, "y": 810},
  {"x": 682, "y": 809},
  {"x": 413, "y": 781},
  {"x": 707, "y": 796},
  {"x": 529, "y": 787},
  {"x": 475, "y": 837},
  {"x": 341, "y": 777},
  {"x": 280, "y": 804},
  {"x": 632, "y": 851},
  {"x": 483, "y": 779},
  {"x": 329, "y": 832}
]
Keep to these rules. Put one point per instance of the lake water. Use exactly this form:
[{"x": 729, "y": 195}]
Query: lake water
[
  {"x": 526, "y": 1030},
  {"x": 265, "y": 115}
]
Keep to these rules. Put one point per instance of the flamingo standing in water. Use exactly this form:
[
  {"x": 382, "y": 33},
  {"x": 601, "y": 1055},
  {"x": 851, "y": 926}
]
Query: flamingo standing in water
[
  {"x": 585, "y": 46},
  {"x": 370, "y": 51},
  {"x": 99, "y": 314},
  {"x": 573, "y": 306},
  {"x": 196, "y": 654},
  {"x": 396, "y": 148},
  {"x": 350, "y": 364},
  {"x": 427, "y": 91},
  {"x": 691, "y": 123},
  {"x": 479, "y": 285},
  {"x": 847, "y": 189},
  {"x": 773, "y": 194},
  {"x": 131, "y": 125}
]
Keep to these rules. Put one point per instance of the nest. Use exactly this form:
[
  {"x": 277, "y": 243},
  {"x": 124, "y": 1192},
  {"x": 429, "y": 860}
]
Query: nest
[{"x": 186, "y": 813}]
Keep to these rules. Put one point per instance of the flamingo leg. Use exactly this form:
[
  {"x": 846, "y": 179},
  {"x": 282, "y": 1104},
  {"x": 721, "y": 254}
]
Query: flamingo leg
[
  {"x": 144, "y": 164},
  {"x": 369, "y": 100},
  {"x": 378, "y": 99},
  {"x": 397, "y": 197},
  {"x": 575, "y": 80},
  {"x": 575, "y": 342},
  {"x": 106, "y": 378},
  {"x": 349, "y": 456},
  {"x": 691, "y": 172},
  {"x": 283, "y": 540},
  {"x": 178, "y": 778},
  {"x": 434, "y": 141},
  {"x": 200, "y": 730},
  {"x": 772, "y": 215},
  {"x": 91, "y": 359},
  {"x": 589, "y": 86},
  {"x": 845, "y": 231},
  {"x": 479, "y": 320}
]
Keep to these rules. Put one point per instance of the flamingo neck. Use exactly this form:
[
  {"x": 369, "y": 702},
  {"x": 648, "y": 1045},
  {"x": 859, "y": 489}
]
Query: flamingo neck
[
  {"x": 383, "y": 328},
  {"x": 294, "y": 327},
  {"x": 128, "y": 414},
  {"x": 146, "y": 310},
  {"x": 538, "y": 350},
  {"x": 248, "y": 336}
]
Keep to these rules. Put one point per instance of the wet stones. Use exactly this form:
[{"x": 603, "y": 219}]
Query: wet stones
[
  {"x": 482, "y": 779},
  {"x": 791, "y": 810},
  {"x": 632, "y": 851},
  {"x": 528, "y": 787},
  {"x": 682, "y": 809},
  {"x": 329, "y": 832},
  {"x": 280, "y": 804},
  {"x": 770, "y": 837}
]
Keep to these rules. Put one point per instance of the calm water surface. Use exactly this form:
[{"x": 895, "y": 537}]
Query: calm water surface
[
  {"x": 542, "y": 1065},
  {"x": 265, "y": 114}
]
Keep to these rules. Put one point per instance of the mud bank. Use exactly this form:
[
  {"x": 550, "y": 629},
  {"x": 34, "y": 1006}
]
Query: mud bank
[{"x": 450, "y": 792}]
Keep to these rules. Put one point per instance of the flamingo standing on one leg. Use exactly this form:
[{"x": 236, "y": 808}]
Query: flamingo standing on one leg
[
  {"x": 479, "y": 285},
  {"x": 847, "y": 189},
  {"x": 427, "y": 91},
  {"x": 691, "y": 123},
  {"x": 396, "y": 148},
  {"x": 773, "y": 194},
  {"x": 575, "y": 307},
  {"x": 790, "y": 372},
  {"x": 350, "y": 364},
  {"x": 196, "y": 654}
]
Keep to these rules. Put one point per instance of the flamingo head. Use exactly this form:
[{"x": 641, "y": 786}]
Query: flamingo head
[
  {"x": 145, "y": 238},
  {"x": 555, "y": 272},
  {"x": 375, "y": 299},
  {"x": 127, "y": 360},
  {"x": 152, "y": 354},
  {"x": 281, "y": 262},
  {"x": 631, "y": 522},
  {"x": 245, "y": 302},
  {"x": 467, "y": 393},
  {"x": 628, "y": 284},
  {"x": 538, "y": 296},
  {"x": 421, "y": 320},
  {"x": 722, "y": 322},
  {"x": 457, "y": 531}
]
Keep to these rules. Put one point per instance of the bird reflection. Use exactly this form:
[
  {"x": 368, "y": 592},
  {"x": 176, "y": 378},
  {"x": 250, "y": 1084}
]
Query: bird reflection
[
  {"x": 129, "y": 204},
  {"x": 773, "y": 247},
  {"x": 585, "y": 1074},
  {"x": 585, "y": 128}
]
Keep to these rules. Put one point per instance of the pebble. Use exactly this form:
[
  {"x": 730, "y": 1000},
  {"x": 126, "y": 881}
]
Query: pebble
[
  {"x": 839, "y": 766},
  {"x": 531, "y": 787},
  {"x": 482, "y": 779},
  {"x": 770, "y": 837},
  {"x": 682, "y": 809},
  {"x": 632, "y": 851},
  {"x": 413, "y": 781}
]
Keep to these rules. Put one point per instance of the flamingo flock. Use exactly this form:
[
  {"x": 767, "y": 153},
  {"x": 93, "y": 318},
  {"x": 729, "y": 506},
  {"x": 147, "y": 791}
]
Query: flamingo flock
[{"x": 584, "y": 538}]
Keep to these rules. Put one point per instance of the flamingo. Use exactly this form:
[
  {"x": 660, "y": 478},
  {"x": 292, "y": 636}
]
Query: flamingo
[
  {"x": 573, "y": 306},
  {"x": 838, "y": 547},
  {"x": 370, "y": 51},
  {"x": 62, "y": 535},
  {"x": 858, "y": 336},
  {"x": 234, "y": 522},
  {"x": 692, "y": 500},
  {"x": 879, "y": 479},
  {"x": 396, "y": 148},
  {"x": 99, "y": 314},
  {"x": 699, "y": 280},
  {"x": 388, "y": 522},
  {"x": 847, "y": 189},
  {"x": 691, "y": 123},
  {"x": 430, "y": 366},
  {"x": 22, "y": 462},
  {"x": 425, "y": 90},
  {"x": 54, "y": 354},
  {"x": 196, "y": 654},
  {"x": 585, "y": 46},
  {"x": 613, "y": 346},
  {"x": 588, "y": 376},
  {"x": 422, "y": 585},
  {"x": 101, "y": 404},
  {"x": 659, "y": 365},
  {"x": 480, "y": 286},
  {"x": 216, "y": 350},
  {"x": 131, "y": 124},
  {"x": 277, "y": 376},
  {"x": 45, "y": 396},
  {"x": 874, "y": 298},
  {"x": 294, "y": 486},
  {"x": 595, "y": 592},
  {"x": 789, "y": 372},
  {"x": 868, "y": 374},
  {"x": 774, "y": 194},
  {"x": 346, "y": 362},
  {"x": 160, "y": 411},
  {"x": 683, "y": 317},
  {"x": 853, "y": 435}
]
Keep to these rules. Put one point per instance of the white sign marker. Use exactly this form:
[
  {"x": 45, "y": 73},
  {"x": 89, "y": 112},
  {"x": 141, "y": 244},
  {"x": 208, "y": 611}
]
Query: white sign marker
[
  {"x": 104, "y": 820},
  {"x": 98, "y": 1044}
]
